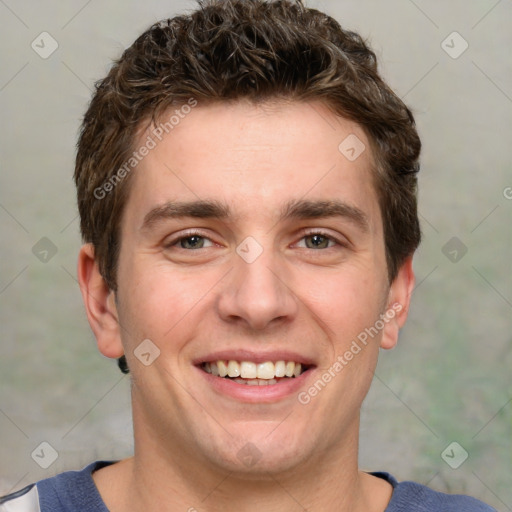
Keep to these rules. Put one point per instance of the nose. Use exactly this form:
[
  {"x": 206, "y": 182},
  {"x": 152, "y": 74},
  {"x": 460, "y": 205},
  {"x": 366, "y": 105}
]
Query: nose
[{"x": 256, "y": 294}]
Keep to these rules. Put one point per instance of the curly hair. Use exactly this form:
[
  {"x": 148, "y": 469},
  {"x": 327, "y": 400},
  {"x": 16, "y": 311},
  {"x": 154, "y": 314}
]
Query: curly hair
[{"x": 228, "y": 50}]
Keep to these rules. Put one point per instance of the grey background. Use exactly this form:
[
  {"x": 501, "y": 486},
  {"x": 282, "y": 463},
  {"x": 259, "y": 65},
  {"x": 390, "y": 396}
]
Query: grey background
[{"x": 449, "y": 378}]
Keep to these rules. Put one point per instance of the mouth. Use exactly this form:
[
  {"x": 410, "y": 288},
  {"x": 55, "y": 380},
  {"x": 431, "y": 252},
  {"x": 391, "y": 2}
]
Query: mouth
[{"x": 250, "y": 373}]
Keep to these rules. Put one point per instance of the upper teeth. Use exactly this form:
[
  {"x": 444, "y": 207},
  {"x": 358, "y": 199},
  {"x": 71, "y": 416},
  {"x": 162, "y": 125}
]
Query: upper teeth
[{"x": 250, "y": 370}]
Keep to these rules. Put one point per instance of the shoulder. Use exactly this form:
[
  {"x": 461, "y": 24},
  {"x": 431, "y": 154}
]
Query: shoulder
[
  {"x": 413, "y": 497},
  {"x": 66, "y": 492}
]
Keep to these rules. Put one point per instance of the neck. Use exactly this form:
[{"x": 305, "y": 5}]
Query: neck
[{"x": 173, "y": 479}]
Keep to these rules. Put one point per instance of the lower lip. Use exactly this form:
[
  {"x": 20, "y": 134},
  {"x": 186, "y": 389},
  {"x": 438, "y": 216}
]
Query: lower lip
[{"x": 256, "y": 394}]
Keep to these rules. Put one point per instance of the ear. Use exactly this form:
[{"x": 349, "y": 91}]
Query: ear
[
  {"x": 99, "y": 303},
  {"x": 399, "y": 299}
]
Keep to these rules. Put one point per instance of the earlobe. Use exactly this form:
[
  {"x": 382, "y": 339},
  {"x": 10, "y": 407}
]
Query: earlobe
[
  {"x": 397, "y": 309},
  {"x": 99, "y": 303}
]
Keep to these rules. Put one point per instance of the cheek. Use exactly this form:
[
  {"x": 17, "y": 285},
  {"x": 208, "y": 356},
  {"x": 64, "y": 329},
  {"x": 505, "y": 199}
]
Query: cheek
[
  {"x": 158, "y": 303},
  {"x": 346, "y": 301}
]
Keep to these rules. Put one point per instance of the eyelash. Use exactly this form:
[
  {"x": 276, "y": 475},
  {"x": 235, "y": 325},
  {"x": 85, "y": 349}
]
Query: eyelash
[
  {"x": 184, "y": 236},
  {"x": 324, "y": 234},
  {"x": 192, "y": 233}
]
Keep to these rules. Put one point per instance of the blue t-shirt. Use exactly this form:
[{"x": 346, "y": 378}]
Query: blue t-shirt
[{"x": 75, "y": 491}]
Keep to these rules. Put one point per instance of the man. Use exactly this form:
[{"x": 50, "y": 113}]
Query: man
[{"x": 247, "y": 191}]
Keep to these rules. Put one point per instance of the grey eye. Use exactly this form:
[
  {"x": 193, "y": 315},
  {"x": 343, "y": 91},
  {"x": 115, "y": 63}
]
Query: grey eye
[
  {"x": 317, "y": 241},
  {"x": 192, "y": 242}
]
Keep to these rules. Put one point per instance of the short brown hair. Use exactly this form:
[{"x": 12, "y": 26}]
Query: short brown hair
[{"x": 244, "y": 49}]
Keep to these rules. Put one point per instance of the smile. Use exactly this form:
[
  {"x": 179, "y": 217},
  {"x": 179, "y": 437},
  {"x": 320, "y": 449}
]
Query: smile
[{"x": 254, "y": 374}]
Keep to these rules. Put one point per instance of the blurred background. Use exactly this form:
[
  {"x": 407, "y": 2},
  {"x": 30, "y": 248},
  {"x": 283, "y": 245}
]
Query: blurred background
[{"x": 440, "y": 408}]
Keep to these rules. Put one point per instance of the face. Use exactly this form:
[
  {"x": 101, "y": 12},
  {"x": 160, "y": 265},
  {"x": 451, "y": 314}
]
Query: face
[{"x": 249, "y": 236}]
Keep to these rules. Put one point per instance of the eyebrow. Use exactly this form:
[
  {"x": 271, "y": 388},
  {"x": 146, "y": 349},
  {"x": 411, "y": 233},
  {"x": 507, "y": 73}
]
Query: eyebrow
[
  {"x": 199, "y": 209},
  {"x": 294, "y": 209},
  {"x": 303, "y": 209}
]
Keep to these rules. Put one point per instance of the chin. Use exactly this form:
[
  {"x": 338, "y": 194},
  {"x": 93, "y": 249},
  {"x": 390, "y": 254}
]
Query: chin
[{"x": 259, "y": 456}]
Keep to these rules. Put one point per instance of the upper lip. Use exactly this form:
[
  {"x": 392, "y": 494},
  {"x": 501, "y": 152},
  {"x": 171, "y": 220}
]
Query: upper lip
[{"x": 256, "y": 357}]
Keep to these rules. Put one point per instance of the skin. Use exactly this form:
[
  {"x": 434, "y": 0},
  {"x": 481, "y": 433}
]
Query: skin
[{"x": 298, "y": 296}]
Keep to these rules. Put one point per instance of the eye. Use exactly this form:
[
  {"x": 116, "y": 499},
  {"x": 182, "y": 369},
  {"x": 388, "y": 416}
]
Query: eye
[
  {"x": 318, "y": 240},
  {"x": 191, "y": 241}
]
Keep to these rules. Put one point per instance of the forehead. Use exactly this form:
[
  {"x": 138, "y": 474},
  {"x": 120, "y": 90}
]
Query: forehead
[{"x": 254, "y": 158}]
